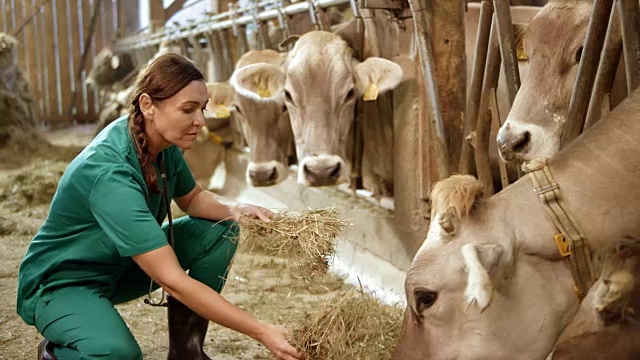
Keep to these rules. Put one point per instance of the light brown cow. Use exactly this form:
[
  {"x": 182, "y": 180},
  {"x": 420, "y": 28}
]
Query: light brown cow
[
  {"x": 553, "y": 41},
  {"x": 320, "y": 80},
  {"x": 489, "y": 282},
  {"x": 263, "y": 117},
  {"x": 207, "y": 156}
]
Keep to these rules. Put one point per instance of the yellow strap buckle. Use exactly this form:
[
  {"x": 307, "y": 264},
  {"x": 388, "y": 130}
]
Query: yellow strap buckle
[{"x": 563, "y": 244}]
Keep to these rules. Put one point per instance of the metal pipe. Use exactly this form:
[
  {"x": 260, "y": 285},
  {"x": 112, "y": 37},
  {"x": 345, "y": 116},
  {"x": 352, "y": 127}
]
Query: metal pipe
[
  {"x": 507, "y": 47},
  {"x": 425, "y": 51},
  {"x": 212, "y": 24},
  {"x": 629, "y": 12},
  {"x": 611, "y": 52},
  {"x": 483, "y": 131},
  {"x": 475, "y": 89},
  {"x": 587, "y": 70}
]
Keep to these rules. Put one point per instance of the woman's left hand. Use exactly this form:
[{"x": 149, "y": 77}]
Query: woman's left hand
[{"x": 251, "y": 210}]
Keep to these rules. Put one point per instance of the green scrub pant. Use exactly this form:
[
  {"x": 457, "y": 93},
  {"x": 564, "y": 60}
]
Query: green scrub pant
[{"x": 87, "y": 326}]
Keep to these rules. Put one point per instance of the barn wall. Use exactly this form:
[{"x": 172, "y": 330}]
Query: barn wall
[{"x": 51, "y": 49}]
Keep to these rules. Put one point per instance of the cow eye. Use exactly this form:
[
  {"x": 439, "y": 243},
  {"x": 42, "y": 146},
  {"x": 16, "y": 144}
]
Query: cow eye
[
  {"x": 288, "y": 97},
  {"x": 425, "y": 299},
  {"x": 350, "y": 94},
  {"x": 579, "y": 54}
]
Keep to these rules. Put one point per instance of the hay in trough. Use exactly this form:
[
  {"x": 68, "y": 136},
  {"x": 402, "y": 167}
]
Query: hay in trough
[
  {"x": 350, "y": 326},
  {"x": 305, "y": 239}
]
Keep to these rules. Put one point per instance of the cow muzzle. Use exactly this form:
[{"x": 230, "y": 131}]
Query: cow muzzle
[
  {"x": 266, "y": 174},
  {"x": 322, "y": 170},
  {"x": 512, "y": 144}
]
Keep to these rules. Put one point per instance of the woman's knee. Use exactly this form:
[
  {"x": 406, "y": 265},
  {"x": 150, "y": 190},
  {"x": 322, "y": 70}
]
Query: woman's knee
[{"x": 111, "y": 347}]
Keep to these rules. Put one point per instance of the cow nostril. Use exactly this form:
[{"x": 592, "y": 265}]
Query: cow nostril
[
  {"x": 306, "y": 170},
  {"x": 335, "y": 172},
  {"x": 522, "y": 142},
  {"x": 274, "y": 174}
]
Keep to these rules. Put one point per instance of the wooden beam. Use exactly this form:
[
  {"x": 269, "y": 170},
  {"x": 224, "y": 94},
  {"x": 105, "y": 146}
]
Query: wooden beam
[{"x": 175, "y": 6}]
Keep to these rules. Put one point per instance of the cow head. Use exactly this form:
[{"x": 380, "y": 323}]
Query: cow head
[
  {"x": 553, "y": 42},
  {"x": 473, "y": 292},
  {"x": 320, "y": 81},
  {"x": 109, "y": 68},
  {"x": 263, "y": 116}
]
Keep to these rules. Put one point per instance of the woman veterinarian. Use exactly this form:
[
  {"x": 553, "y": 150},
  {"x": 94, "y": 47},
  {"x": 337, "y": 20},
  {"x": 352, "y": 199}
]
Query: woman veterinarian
[{"x": 103, "y": 241}]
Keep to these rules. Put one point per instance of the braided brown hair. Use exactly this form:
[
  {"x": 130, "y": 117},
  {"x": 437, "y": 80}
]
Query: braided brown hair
[{"x": 161, "y": 79}]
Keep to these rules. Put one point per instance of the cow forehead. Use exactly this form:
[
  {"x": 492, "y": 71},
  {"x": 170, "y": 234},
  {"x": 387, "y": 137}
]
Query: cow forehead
[
  {"x": 437, "y": 268},
  {"x": 560, "y": 21},
  {"x": 320, "y": 59}
]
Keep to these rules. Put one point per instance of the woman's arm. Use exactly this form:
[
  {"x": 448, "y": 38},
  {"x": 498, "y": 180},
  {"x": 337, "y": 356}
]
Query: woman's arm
[
  {"x": 204, "y": 204},
  {"x": 163, "y": 267}
]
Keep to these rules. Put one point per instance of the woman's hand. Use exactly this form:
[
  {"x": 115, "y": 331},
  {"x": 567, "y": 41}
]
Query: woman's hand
[
  {"x": 251, "y": 210},
  {"x": 274, "y": 338}
]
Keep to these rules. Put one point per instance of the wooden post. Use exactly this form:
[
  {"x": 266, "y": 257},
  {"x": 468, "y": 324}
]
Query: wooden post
[
  {"x": 448, "y": 41},
  {"x": 156, "y": 15},
  {"x": 64, "y": 56},
  {"x": 49, "y": 62},
  {"x": 75, "y": 107},
  {"x": 507, "y": 47},
  {"x": 427, "y": 66}
]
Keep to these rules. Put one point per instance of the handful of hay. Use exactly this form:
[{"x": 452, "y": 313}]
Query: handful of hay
[
  {"x": 306, "y": 240},
  {"x": 350, "y": 326}
]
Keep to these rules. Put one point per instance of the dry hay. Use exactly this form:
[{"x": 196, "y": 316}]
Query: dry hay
[
  {"x": 353, "y": 325},
  {"x": 305, "y": 239},
  {"x": 32, "y": 185}
]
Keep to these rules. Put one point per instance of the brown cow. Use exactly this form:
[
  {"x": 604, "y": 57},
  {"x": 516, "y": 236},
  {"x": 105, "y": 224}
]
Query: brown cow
[
  {"x": 263, "y": 117},
  {"x": 320, "y": 80},
  {"x": 489, "y": 282},
  {"x": 553, "y": 41}
]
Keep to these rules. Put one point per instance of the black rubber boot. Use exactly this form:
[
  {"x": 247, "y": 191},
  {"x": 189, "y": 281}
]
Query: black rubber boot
[
  {"x": 44, "y": 350},
  {"x": 187, "y": 331}
]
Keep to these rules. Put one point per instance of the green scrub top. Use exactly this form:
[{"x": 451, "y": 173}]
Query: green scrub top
[{"x": 101, "y": 215}]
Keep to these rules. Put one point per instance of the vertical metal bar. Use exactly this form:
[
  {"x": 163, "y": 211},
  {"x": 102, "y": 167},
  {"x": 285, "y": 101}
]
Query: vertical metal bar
[
  {"x": 475, "y": 89},
  {"x": 587, "y": 70},
  {"x": 483, "y": 130},
  {"x": 629, "y": 12},
  {"x": 611, "y": 52},
  {"x": 507, "y": 47},
  {"x": 425, "y": 51}
]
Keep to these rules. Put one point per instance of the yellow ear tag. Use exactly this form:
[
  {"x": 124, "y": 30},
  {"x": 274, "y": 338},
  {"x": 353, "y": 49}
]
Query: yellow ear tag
[
  {"x": 521, "y": 55},
  {"x": 222, "y": 112},
  {"x": 371, "y": 93},
  {"x": 263, "y": 92}
]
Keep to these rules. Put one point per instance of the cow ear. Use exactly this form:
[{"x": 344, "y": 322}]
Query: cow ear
[
  {"x": 487, "y": 265},
  {"x": 288, "y": 41},
  {"x": 375, "y": 76},
  {"x": 519, "y": 30},
  {"x": 115, "y": 61},
  {"x": 262, "y": 82}
]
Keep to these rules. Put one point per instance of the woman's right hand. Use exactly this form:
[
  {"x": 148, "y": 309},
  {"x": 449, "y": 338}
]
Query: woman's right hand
[{"x": 274, "y": 338}]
